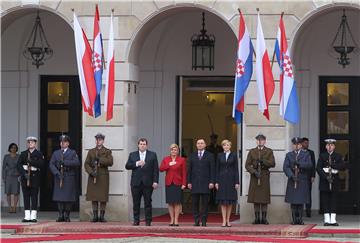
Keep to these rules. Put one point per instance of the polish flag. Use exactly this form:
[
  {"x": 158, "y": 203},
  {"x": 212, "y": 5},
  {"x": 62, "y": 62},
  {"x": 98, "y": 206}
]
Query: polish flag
[
  {"x": 110, "y": 75},
  {"x": 264, "y": 78},
  {"x": 85, "y": 67}
]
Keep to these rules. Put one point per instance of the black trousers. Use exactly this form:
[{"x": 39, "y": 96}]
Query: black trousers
[
  {"x": 196, "y": 197},
  {"x": 328, "y": 201},
  {"x": 30, "y": 195},
  {"x": 138, "y": 192},
  {"x": 308, "y": 205}
]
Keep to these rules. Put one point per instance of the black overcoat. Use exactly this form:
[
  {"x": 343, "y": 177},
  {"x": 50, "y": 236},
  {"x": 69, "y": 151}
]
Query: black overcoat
[{"x": 227, "y": 175}]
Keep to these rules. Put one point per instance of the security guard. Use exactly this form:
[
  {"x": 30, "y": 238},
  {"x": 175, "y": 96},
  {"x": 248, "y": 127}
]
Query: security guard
[
  {"x": 296, "y": 166},
  {"x": 63, "y": 165},
  {"x": 29, "y": 164},
  {"x": 96, "y": 165},
  {"x": 328, "y": 167},
  {"x": 258, "y": 163}
]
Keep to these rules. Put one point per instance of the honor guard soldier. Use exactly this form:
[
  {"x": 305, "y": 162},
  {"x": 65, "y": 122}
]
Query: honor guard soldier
[
  {"x": 258, "y": 163},
  {"x": 63, "y": 165},
  {"x": 96, "y": 165},
  {"x": 328, "y": 166},
  {"x": 29, "y": 164},
  {"x": 296, "y": 166}
]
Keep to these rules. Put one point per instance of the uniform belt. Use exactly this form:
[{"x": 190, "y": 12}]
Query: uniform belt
[{"x": 32, "y": 168}]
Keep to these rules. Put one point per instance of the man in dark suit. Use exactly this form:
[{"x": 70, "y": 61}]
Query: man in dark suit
[
  {"x": 144, "y": 179},
  {"x": 201, "y": 177},
  {"x": 305, "y": 146}
]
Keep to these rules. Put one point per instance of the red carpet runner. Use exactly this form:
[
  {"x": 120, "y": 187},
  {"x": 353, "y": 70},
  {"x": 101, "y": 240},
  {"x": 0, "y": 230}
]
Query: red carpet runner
[
  {"x": 188, "y": 218},
  {"x": 292, "y": 231}
]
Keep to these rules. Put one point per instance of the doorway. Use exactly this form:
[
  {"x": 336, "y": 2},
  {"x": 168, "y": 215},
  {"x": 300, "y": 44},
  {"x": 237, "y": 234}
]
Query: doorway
[
  {"x": 205, "y": 109},
  {"x": 60, "y": 113},
  {"x": 339, "y": 118}
]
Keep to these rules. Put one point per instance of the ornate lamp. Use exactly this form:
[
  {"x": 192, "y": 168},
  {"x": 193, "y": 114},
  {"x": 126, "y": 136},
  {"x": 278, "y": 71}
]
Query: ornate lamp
[
  {"x": 203, "y": 49},
  {"x": 37, "y": 48},
  {"x": 344, "y": 42}
]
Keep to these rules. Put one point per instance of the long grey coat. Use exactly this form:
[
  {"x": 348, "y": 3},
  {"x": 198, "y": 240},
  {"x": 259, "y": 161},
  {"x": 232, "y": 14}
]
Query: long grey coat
[
  {"x": 68, "y": 193},
  {"x": 301, "y": 194}
]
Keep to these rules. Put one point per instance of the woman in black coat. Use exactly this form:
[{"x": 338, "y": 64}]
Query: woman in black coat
[{"x": 227, "y": 181}]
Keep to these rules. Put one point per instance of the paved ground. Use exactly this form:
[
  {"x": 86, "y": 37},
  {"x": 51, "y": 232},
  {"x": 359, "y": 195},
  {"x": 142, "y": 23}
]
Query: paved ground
[{"x": 346, "y": 222}]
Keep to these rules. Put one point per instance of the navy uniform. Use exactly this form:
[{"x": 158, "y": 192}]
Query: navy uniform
[
  {"x": 63, "y": 165},
  {"x": 296, "y": 166},
  {"x": 328, "y": 167},
  {"x": 29, "y": 164}
]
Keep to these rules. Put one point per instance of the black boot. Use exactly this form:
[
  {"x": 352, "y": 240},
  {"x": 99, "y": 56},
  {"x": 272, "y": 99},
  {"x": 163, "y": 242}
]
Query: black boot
[
  {"x": 257, "y": 218},
  {"x": 263, "y": 218},
  {"x": 300, "y": 217},
  {"x": 95, "y": 216},
  {"x": 61, "y": 216},
  {"x": 102, "y": 218},
  {"x": 67, "y": 216},
  {"x": 293, "y": 216}
]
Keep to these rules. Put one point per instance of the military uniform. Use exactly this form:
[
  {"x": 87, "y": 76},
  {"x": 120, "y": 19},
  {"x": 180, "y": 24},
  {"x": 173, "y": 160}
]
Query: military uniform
[
  {"x": 258, "y": 163},
  {"x": 329, "y": 162},
  {"x": 296, "y": 167},
  {"x": 33, "y": 162},
  {"x": 63, "y": 165},
  {"x": 96, "y": 165}
]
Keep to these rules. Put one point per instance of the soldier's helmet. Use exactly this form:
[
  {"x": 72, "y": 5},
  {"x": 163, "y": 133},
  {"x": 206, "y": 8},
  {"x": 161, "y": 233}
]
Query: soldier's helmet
[
  {"x": 100, "y": 136},
  {"x": 31, "y": 138},
  {"x": 260, "y": 136},
  {"x": 64, "y": 138},
  {"x": 330, "y": 141},
  {"x": 296, "y": 140}
]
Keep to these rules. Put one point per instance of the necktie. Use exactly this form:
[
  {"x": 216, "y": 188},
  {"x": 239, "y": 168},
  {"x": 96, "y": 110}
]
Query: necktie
[{"x": 200, "y": 155}]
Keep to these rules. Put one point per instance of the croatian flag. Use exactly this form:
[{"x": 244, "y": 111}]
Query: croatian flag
[
  {"x": 289, "y": 103},
  {"x": 264, "y": 78},
  {"x": 110, "y": 75},
  {"x": 85, "y": 67},
  {"x": 244, "y": 69},
  {"x": 97, "y": 61}
]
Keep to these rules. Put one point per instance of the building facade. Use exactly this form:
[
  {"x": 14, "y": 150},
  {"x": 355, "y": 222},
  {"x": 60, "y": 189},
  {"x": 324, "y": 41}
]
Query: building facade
[{"x": 154, "y": 80}]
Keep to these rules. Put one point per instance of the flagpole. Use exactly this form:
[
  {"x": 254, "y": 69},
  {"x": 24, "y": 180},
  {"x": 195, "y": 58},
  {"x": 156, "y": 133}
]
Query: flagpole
[
  {"x": 273, "y": 57},
  {"x": 253, "y": 50}
]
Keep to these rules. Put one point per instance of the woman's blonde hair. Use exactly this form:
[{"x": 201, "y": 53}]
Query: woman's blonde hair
[
  {"x": 223, "y": 142},
  {"x": 174, "y": 145}
]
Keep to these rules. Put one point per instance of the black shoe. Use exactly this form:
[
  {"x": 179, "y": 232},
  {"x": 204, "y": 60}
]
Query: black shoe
[
  {"x": 61, "y": 217},
  {"x": 67, "y": 216},
  {"x": 308, "y": 213},
  {"x": 171, "y": 225},
  {"x": 257, "y": 218},
  {"x": 95, "y": 216},
  {"x": 176, "y": 225},
  {"x": 25, "y": 221},
  {"x": 196, "y": 223},
  {"x": 102, "y": 216},
  {"x": 203, "y": 223},
  {"x": 263, "y": 218},
  {"x": 33, "y": 221},
  {"x": 327, "y": 224},
  {"x": 334, "y": 224},
  {"x": 136, "y": 223},
  {"x": 148, "y": 223}
]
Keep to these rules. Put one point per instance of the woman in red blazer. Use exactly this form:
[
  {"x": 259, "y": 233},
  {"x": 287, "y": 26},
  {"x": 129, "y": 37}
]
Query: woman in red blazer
[{"x": 175, "y": 181}]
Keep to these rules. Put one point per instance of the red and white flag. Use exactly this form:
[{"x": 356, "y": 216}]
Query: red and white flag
[
  {"x": 264, "y": 78},
  {"x": 85, "y": 67},
  {"x": 110, "y": 75}
]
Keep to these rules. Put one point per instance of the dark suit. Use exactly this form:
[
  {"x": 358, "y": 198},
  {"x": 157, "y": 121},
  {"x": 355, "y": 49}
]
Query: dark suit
[
  {"x": 36, "y": 162},
  {"x": 227, "y": 175},
  {"x": 201, "y": 173},
  {"x": 311, "y": 174},
  {"x": 142, "y": 179}
]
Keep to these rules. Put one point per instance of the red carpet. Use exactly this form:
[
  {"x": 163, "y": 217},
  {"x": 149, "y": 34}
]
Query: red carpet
[
  {"x": 10, "y": 226},
  {"x": 289, "y": 231},
  {"x": 335, "y": 231},
  {"x": 188, "y": 218},
  {"x": 63, "y": 237}
]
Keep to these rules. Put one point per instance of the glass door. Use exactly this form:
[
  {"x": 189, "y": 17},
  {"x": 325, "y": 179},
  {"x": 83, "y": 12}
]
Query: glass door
[
  {"x": 60, "y": 113},
  {"x": 339, "y": 102}
]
